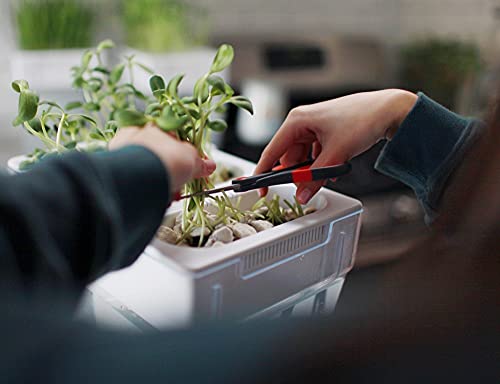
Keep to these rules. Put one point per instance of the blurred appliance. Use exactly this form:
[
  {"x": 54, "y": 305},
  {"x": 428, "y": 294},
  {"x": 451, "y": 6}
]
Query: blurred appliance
[
  {"x": 308, "y": 69},
  {"x": 269, "y": 105}
]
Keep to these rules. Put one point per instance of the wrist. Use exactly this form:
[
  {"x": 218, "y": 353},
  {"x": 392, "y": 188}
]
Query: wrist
[{"x": 401, "y": 103}]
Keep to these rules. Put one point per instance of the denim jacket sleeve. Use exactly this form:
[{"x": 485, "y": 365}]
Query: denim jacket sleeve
[{"x": 428, "y": 146}]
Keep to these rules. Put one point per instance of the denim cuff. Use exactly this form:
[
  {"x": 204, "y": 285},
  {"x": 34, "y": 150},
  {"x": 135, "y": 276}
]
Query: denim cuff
[{"x": 428, "y": 146}]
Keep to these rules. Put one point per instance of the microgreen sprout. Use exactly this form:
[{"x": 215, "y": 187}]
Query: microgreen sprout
[
  {"x": 190, "y": 119},
  {"x": 90, "y": 120}
]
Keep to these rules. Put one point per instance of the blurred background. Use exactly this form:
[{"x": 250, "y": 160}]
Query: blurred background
[{"x": 288, "y": 53}]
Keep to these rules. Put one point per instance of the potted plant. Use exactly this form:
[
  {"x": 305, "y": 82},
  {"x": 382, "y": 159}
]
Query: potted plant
[
  {"x": 170, "y": 36},
  {"x": 439, "y": 68}
]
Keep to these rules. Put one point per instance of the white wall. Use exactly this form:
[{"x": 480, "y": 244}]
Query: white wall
[
  {"x": 9, "y": 137},
  {"x": 391, "y": 20}
]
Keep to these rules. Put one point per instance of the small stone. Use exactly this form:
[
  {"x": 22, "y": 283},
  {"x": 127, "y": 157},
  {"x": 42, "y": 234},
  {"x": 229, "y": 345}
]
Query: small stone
[
  {"x": 241, "y": 230},
  {"x": 178, "y": 229},
  {"x": 217, "y": 244},
  {"x": 261, "y": 225},
  {"x": 212, "y": 219},
  {"x": 309, "y": 210},
  {"x": 167, "y": 234},
  {"x": 223, "y": 234},
  {"x": 196, "y": 232},
  {"x": 290, "y": 215}
]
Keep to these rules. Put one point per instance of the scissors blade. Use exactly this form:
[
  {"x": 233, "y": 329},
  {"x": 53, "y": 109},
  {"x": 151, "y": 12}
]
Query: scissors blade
[{"x": 209, "y": 192}]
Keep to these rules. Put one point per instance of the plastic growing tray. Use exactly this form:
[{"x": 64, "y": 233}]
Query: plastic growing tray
[
  {"x": 284, "y": 270},
  {"x": 296, "y": 268}
]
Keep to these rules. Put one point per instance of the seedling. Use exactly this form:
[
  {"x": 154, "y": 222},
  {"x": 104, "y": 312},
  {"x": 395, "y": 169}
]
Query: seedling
[{"x": 89, "y": 122}]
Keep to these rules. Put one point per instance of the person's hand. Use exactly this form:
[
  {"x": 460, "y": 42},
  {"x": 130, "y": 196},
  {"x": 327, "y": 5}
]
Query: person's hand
[
  {"x": 335, "y": 131},
  {"x": 180, "y": 159}
]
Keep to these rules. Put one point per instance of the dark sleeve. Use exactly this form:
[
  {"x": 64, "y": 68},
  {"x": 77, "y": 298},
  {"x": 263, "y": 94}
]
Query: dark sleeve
[
  {"x": 75, "y": 217},
  {"x": 428, "y": 146}
]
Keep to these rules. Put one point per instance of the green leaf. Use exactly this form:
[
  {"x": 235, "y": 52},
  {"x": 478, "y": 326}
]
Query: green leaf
[
  {"x": 106, "y": 44},
  {"x": 96, "y": 136},
  {"x": 201, "y": 90},
  {"x": 223, "y": 58},
  {"x": 27, "y": 164},
  {"x": 188, "y": 100},
  {"x": 228, "y": 90},
  {"x": 71, "y": 145},
  {"x": 193, "y": 111},
  {"x": 111, "y": 126},
  {"x": 20, "y": 85},
  {"x": 130, "y": 117},
  {"x": 91, "y": 107},
  {"x": 94, "y": 84},
  {"x": 36, "y": 125},
  {"x": 130, "y": 87},
  {"x": 89, "y": 119},
  {"x": 217, "y": 125},
  {"x": 79, "y": 82},
  {"x": 86, "y": 58},
  {"x": 242, "y": 102},
  {"x": 73, "y": 105},
  {"x": 28, "y": 106},
  {"x": 116, "y": 74},
  {"x": 144, "y": 68},
  {"x": 217, "y": 82},
  {"x": 169, "y": 121},
  {"x": 156, "y": 83},
  {"x": 152, "y": 108},
  {"x": 102, "y": 70},
  {"x": 173, "y": 85}
]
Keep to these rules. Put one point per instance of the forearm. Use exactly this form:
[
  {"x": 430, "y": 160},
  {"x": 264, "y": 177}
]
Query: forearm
[
  {"x": 74, "y": 218},
  {"x": 425, "y": 150}
]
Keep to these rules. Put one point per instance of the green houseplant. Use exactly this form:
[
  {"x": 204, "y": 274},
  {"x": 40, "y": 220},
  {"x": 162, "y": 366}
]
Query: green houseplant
[
  {"x": 162, "y": 25},
  {"x": 438, "y": 67},
  {"x": 53, "y": 24}
]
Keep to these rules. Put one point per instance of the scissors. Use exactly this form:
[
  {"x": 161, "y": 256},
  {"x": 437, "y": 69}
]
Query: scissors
[{"x": 279, "y": 175}]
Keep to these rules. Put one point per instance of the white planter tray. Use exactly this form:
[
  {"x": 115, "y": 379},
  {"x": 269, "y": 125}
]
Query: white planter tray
[{"x": 295, "y": 268}]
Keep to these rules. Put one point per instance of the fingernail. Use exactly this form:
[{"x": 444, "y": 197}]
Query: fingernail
[
  {"x": 210, "y": 164},
  {"x": 304, "y": 195}
]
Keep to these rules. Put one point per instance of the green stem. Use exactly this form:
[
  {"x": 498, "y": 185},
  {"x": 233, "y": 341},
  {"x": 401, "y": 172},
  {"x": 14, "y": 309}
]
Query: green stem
[
  {"x": 59, "y": 130},
  {"x": 48, "y": 142}
]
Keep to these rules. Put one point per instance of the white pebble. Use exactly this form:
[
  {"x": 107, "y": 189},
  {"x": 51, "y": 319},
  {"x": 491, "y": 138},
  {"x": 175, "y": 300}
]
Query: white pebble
[
  {"x": 167, "y": 234},
  {"x": 241, "y": 230},
  {"x": 261, "y": 225},
  {"x": 290, "y": 215},
  {"x": 262, "y": 211},
  {"x": 309, "y": 210},
  {"x": 196, "y": 232},
  {"x": 223, "y": 234}
]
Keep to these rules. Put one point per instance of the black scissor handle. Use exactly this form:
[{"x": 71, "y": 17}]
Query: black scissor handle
[{"x": 295, "y": 174}]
